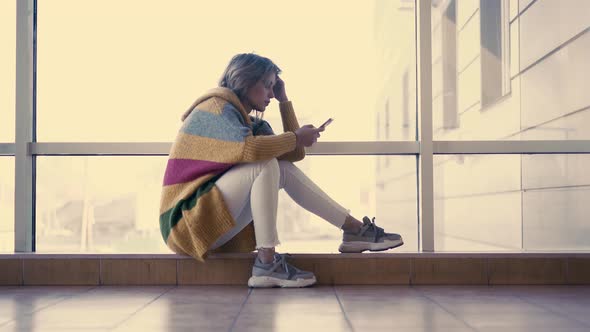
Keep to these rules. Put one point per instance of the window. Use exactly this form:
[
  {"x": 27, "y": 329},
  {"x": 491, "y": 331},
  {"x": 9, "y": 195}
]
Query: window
[
  {"x": 495, "y": 72},
  {"x": 511, "y": 202},
  {"x": 137, "y": 79},
  {"x": 449, "y": 66},
  {"x": 6, "y": 204},
  {"x": 7, "y": 68},
  {"x": 99, "y": 204},
  {"x": 471, "y": 72},
  {"x": 103, "y": 204}
]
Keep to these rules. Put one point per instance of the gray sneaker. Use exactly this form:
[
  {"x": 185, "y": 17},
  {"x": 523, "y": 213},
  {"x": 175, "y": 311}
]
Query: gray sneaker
[
  {"x": 370, "y": 237},
  {"x": 279, "y": 273}
]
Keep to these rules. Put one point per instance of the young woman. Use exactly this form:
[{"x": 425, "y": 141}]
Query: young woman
[{"x": 225, "y": 170}]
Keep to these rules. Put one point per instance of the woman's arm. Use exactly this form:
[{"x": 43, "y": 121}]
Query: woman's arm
[
  {"x": 264, "y": 147},
  {"x": 290, "y": 124}
]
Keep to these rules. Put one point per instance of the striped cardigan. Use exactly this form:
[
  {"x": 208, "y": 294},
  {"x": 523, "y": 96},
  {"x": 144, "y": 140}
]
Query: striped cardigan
[{"x": 217, "y": 133}]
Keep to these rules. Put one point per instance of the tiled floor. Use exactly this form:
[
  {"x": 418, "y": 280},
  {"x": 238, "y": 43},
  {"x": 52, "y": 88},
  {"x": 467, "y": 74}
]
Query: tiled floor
[{"x": 341, "y": 308}]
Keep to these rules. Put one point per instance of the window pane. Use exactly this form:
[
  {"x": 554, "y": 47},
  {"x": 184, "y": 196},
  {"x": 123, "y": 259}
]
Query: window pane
[
  {"x": 511, "y": 202},
  {"x": 395, "y": 47},
  {"x": 111, "y": 204},
  {"x": 556, "y": 191},
  {"x": 137, "y": 74},
  {"x": 99, "y": 204},
  {"x": 386, "y": 193},
  {"x": 397, "y": 197},
  {"x": 6, "y": 204},
  {"x": 7, "y": 68},
  {"x": 499, "y": 81}
]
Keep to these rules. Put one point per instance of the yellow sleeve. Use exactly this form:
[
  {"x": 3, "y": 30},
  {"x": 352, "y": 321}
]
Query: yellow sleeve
[
  {"x": 290, "y": 124},
  {"x": 265, "y": 147}
]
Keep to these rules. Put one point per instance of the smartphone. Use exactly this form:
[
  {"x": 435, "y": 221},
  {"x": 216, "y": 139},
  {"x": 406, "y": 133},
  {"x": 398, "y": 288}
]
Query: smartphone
[{"x": 326, "y": 123}]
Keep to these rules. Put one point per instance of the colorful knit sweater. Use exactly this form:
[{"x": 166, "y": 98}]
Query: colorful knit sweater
[{"x": 217, "y": 133}]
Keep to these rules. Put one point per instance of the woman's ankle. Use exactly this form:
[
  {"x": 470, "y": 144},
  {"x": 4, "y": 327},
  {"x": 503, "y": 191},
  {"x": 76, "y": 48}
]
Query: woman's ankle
[
  {"x": 351, "y": 225},
  {"x": 266, "y": 255}
]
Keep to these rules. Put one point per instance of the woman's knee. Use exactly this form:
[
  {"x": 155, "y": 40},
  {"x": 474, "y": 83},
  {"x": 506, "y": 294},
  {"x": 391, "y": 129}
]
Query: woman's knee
[
  {"x": 285, "y": 163},
  {"x": 270, "y": 166},
  {"x": 285, "y": 168},
  {"x": 272, "y": 163},
  {"x": 258, "y": 166}
]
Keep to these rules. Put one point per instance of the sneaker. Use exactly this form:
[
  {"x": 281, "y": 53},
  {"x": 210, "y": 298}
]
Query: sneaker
[
  {"x": 279, "y": 273},
  {"x": 369, "y": 237}
]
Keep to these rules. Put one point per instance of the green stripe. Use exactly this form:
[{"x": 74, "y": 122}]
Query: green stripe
[{"x": 170, "y": 218}]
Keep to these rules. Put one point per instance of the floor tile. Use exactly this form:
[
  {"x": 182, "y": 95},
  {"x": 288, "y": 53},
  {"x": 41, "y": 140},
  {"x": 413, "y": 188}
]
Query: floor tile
[
  {"x": 533, "y": 329},
  {"x": 18, "y": 302},
  {"x": 304, "y": 300},
  {"x": 292, "y": 321},
  {"x": 189, "y": 308},
  {"x": 97, "y": 308},
  {"x": 422, "y": 317},
  {"x": 519, "y": 320},
  {"x": 323, "y": 308}
]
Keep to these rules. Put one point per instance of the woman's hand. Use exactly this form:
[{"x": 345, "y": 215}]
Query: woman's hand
[
  {"x": 279, "y": 90},
  {"x": 307, "y": 135}
]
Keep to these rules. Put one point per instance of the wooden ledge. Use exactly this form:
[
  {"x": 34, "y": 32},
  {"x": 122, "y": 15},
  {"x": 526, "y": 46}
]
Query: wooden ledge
[
  {"x": 528, "y": 254},
  {"x": 530, "y": 268}
]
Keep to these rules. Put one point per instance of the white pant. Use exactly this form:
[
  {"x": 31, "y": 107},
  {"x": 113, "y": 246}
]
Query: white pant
[{"x": 251, "y": 191}]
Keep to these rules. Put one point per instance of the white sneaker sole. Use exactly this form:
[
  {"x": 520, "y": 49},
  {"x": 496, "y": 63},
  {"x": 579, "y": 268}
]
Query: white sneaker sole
[
  {"x": 358, "y": 246},
  {"x": 266, "y": 282}
]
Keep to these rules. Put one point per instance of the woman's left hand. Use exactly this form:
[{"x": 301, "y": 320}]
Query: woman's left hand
[{"x": 279, "y": 90}]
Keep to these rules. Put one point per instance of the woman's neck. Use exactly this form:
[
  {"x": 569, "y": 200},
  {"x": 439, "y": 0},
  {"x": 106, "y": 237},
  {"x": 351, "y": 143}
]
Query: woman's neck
[{"x": 247, "y": 106}]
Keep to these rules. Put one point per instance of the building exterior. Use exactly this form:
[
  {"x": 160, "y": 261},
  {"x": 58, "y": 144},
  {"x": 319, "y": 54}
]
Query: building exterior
[{"x": 502, "y": 70}]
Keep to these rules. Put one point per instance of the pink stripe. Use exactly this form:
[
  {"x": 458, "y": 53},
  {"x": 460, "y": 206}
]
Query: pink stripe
[{"x": 184, "y": 170}]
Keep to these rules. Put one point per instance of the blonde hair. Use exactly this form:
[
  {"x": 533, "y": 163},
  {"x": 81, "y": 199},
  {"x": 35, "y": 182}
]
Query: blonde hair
[{"x": 244, "y": 71}]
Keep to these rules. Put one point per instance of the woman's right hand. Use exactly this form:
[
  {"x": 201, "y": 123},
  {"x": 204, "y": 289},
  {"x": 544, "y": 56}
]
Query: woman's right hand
[{"x": 307, "y": 135}]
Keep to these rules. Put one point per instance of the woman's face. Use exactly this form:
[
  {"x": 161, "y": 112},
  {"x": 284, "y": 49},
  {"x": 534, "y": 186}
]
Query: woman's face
[{"x": 260, "y": 95}]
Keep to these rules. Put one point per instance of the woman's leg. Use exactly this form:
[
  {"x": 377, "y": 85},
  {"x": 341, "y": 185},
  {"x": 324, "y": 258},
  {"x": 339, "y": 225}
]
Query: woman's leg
[
  {"x": 251, "y": 192},
  {"x": 358, "y": 236},
  {"x": 309, "y": 196}
]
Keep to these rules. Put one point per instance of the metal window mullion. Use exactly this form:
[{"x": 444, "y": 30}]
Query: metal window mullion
[
  {"x": 321, "y": 148},
  {"x": 163, "y": 148},
  {"x": 24, "y": 161},
  {"x": 512, "y": 147},
  {"x": 426, "y": 145},
  {"x": 6, "y": 149}
]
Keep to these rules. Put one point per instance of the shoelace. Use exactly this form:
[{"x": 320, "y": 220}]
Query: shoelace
[
  {"x": 282, "y": 262},
  {"x": 377, "y": 231}
]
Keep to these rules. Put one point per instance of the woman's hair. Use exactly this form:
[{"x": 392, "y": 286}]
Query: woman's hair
[{"x": 244, "y": 70}]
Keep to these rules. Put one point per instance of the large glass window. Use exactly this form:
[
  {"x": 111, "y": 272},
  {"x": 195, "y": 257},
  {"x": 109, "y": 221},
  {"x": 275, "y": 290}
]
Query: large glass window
[
  {"x": 7, "y": 68},
  {"x": 126, "y": 71},
  {"x": 511, "y": 202},
  {"x": 112, "y": 71},
  {"x": 122, "y": 82},
  {"x": 6, "y": 204},
  {"x": 111, "y": 204}
]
